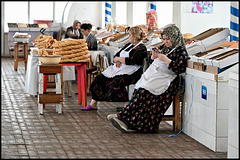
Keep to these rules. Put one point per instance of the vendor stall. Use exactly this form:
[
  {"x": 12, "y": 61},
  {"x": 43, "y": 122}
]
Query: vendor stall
[{"x": 206, "y": 98}]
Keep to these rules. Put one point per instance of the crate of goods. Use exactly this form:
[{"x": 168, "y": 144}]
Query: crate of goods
[
  {"x": 119, "y": 41},
  {"x": 23, "y": 27},
  {"x": 206, "y": 40}
]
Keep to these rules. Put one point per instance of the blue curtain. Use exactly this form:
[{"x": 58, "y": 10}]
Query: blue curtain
[{"x": 234, "y": 21}]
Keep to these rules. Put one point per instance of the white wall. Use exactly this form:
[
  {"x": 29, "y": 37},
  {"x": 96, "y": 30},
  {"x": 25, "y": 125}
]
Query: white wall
[
  {"x": 196, "y": 23},
  {"x": 90, "y": 11}
]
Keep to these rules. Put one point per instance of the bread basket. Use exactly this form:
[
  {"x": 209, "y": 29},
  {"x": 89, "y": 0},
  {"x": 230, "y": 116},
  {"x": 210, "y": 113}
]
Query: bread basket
[{"x": 49, "y": 59}]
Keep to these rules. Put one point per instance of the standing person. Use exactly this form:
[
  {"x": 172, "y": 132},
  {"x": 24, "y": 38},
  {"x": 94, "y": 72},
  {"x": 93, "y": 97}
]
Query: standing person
[
  {"x": 91, "y": 40},
  {"x": 157, "y": 87},
  {"x": 74, "y": 31},
  {"x": 127, "y": 69}
]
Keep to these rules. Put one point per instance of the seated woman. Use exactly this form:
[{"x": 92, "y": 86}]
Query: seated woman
[
  {"x": 111, "y": 84},
  {"x": 74, "y": 31},
  {"x": 157, "y": 87},
  {"x": 90, "y": 38}
]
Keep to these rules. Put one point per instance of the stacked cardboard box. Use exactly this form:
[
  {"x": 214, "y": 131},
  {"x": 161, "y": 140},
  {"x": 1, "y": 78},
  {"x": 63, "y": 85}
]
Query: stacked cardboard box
[{"x": 206, "y": 40}]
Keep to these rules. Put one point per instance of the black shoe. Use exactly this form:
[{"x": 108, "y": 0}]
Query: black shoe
[{"x": 119, "y": 124}]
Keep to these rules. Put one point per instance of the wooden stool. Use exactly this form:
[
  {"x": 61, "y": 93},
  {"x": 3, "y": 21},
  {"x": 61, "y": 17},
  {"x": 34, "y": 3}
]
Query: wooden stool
[
  {"x": 50, "y": 97},
  {"x": 175, "y": 117},
  {"x": 16, "y": 59}
]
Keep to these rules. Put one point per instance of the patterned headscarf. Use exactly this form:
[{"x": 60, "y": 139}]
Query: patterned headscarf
[
  {"x": 175, "y": 36},
  {"x": 75, "y": 24}
]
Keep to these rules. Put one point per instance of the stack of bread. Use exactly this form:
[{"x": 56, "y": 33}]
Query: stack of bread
[
  {"x": 45, "y": 52},
  {"x": 72, "y": 50},
  {"x": 44, "y": 41}
]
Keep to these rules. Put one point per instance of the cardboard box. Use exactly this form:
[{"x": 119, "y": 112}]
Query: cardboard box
[
  {"x": 195, "y": 48},
  {"x": 233, "y": 44},
  {"x": 226, "y": 59},
  {"x": 206, "y": 40}
]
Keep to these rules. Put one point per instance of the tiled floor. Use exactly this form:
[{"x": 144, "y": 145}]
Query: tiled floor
[{"x": 76, "y": 133}]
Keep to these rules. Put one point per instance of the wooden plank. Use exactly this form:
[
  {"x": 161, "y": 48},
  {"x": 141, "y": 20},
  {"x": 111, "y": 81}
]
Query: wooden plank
[
  {"x": 51, "y": 85},
  {"x": 168, "y": 118},
  {"x": 50, "y": 97},
  {"x": 50, "y": 69}
]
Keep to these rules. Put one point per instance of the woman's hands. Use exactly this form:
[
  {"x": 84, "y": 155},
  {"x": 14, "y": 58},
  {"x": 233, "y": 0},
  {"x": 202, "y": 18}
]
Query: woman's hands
[
  {"x": 160, "y": 56},
  {"x": 118, "y": 64},
  {"x": 119, "y": 61}
]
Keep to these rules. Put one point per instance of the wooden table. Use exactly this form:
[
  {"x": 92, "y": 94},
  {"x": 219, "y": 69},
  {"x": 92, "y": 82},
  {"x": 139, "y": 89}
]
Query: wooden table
[{"x": 82, "y": 84}]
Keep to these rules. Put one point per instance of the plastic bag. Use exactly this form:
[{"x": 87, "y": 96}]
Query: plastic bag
[{"x": 151, "y": 20}]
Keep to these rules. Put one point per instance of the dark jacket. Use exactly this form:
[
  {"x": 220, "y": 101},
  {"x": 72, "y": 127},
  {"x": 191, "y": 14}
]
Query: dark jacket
[{"x": 70, "y": 35}]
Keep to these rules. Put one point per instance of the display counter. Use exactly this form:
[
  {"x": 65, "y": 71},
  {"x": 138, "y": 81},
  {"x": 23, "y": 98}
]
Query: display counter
[
  {"x": 233, "y": 122},
  {"x": 207, "y": 98}
]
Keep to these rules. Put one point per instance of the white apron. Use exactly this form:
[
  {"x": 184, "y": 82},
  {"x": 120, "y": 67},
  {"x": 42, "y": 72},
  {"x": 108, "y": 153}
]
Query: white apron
[
  {"x": 157, "y": 78},
  {"x": 112, "y": 70}
]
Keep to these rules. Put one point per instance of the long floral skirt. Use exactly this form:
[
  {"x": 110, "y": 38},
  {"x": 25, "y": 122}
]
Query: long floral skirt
[
  {"x": 145, "y": 110},
  {"x": 113, "y": 89}
]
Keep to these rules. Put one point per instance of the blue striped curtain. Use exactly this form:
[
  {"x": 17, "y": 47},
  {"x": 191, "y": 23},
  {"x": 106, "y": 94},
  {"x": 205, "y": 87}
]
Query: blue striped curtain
[
  {"x": 234, "y": 23},
  {"x": 108, "y": 13}
]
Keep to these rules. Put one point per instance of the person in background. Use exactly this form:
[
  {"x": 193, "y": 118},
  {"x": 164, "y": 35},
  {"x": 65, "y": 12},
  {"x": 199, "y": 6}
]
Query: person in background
[
  {"x": 127, "y": 69},
  {"x": 74, "y": 31},
  {"x": 91, "y": 40},
  {"x": 157, "y": 87}
]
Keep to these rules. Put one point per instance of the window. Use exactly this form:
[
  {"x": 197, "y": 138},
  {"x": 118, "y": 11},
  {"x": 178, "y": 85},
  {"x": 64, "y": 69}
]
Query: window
[
  {"x": 41, "y": 11},
  {"x": 59, "y": 8},
  {"x": 139, "y": 13},
  {"x": 15, "y": 12},
  {"x": 121, "y": 12},
  {"x": 164, "y": 12}
]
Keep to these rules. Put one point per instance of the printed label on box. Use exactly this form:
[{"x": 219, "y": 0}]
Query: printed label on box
[{"x": 204, "y": 92}]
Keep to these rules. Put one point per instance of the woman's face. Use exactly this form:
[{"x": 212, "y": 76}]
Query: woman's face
[
  {"x": 131, "y": 38},
  {"x": 78, "y": 26},
  {"x": 167, "y": 41}
]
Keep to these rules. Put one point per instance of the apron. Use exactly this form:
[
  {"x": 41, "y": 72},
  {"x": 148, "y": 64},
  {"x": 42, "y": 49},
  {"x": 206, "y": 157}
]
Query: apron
[
  {"x": 112, "y": 70},
  {"x": 69, "y": 73},
  {"x": 157, "y": 78}
]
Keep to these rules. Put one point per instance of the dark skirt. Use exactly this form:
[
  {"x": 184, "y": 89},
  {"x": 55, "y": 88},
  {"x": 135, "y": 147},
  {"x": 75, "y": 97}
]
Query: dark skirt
[
  {"x": 113, "y": 89},
  {"x": 145, "y": 110}
]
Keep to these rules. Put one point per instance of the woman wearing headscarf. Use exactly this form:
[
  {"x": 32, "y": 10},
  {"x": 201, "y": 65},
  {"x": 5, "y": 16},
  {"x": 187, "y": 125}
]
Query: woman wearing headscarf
[
  {"x": 127, "y": 69},
  {"x": 74, "y": 31},
  {"x": 157, "y": 87}
]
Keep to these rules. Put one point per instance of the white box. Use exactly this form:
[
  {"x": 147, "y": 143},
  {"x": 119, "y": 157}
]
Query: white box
[
  {"x": 195, "y": 48},
  {"x": 204, "y": 95},
  {"x": 207, "y": 40},
  {"x": 216, "y": 38},
  {"x": 227, "y": 60},
  {"x": 233, "y": 122}
]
